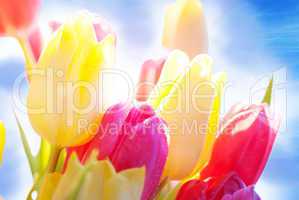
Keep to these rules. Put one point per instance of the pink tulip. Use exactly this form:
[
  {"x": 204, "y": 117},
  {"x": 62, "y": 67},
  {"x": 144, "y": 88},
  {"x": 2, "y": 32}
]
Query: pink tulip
[
  {"x": 150, "y": 73},
  {"x": 102, "y": 28},
  {"x": 131, "y": 137},
  {"x": 16, "y": 15},
  {"x": 244, "y": 145},
  {"x": 227, "y": 187}
]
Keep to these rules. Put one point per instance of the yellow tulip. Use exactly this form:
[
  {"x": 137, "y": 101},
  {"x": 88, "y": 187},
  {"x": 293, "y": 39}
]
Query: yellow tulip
[
  {"x": 188, "y": 100},
  {"x": 185, "y": 28},
  {"x": 64, "y": 93},
  {"x": 95, "y": 180},
  {"x": 2, "y": 140}
]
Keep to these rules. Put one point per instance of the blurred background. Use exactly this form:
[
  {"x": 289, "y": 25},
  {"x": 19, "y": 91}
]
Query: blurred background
[{"x": 249, "y": 39}]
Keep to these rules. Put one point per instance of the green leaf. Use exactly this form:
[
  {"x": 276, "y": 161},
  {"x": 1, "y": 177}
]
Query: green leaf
[
  {"x": 30, "y": 157},
  {"x": 268, "y": 94}
]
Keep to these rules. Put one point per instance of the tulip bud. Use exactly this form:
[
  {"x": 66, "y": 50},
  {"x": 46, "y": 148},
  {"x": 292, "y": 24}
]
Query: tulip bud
[
  {"x": 185, "y": 28},
  {"x": 16, "y": 15},
  {"x": 245, "y": 143}
]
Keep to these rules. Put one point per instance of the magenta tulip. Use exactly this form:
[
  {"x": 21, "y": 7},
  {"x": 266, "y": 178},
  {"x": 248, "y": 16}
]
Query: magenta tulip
[{"x": 131, "y": 137}]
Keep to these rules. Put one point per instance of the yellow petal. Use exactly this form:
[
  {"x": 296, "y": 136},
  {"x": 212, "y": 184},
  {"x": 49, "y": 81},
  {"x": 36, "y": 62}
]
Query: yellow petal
[
  {"x": 126, "y": 185},
  {"x": 97, "y": 180},
  {"x": 63, "y": 100},
  {"x": 185, "y": 28},
  {"x": 219, "y": 81},
  {"x": 2, "y": 140},
  {"x": 186, "y": 111},
  {"x": 173, "y": 70},
  {"x": 48, "y": 186},
  {"x": 69, "y": 182}
]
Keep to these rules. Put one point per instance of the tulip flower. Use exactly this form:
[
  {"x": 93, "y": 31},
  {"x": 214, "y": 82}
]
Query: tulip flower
[
  {"x": 184, "y": 97},
  {"x": 131, "y": 137},
  {"x": 102, "y": 27},
  {"x": 226, "y": 187},
  {"x": 149, "y": 76},
  {"x": 63, "y": 94},
  {"x": 16, "y": 15},
  {"x": 94, "y": 180},
  {"x": 2, "y": 140},
  {"x": 185, "y": 28},
  {"x": 245, "y": 143}
]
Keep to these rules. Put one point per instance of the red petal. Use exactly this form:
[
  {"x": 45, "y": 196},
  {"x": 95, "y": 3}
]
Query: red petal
[{"x": 244, "y": 145}]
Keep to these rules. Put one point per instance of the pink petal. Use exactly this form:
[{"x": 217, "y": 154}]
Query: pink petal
[
  {"x": 101, "y": 27},
  {"x": 143, "y": 143},
  {"x": 109, "y": 131},
  {"x": 150, "y": 73},
  {"x": 35, "y": 41}
]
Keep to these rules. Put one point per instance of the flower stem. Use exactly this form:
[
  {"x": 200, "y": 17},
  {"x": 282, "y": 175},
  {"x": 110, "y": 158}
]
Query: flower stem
[{"x": 28, "y": 54}]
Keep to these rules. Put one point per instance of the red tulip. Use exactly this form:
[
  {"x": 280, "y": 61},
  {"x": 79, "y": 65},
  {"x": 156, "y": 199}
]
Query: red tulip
[
  {"x": 150, "y": 73},
  {"x": 244, "y": 145},
  {"x": 227, "y": 187},
  {"x": 131, "y": 137},
  {"x": 16, "y": 15}
]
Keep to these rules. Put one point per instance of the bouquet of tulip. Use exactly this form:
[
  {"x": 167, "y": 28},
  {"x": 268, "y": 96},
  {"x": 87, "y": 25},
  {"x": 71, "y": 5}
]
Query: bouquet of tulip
[{"x": 169, "y": 142}]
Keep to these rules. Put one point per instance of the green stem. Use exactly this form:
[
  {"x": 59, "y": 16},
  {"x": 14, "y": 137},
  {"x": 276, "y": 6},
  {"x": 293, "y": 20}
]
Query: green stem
[
  {"x": 54, "y": 159},
  {"x": 28, "y": 54}
]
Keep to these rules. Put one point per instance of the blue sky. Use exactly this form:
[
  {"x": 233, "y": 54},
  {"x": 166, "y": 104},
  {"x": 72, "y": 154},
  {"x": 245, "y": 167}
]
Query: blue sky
[{"x": 250, "y": 39}]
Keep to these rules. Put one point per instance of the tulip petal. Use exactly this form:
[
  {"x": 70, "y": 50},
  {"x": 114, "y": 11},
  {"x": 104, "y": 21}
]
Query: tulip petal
[
  {"x": 143, "y": 145},
  {"x": 63, "y": 94},
  {"x": 244, "y": 144},
  {"x": 149, "y": 76},
  {"x": 48, "y": 186},
  {"x": 108, "y": 133},
  {"x": 95, "y": 180},
  {"x": 35, "y": 41},
  {"x": 243, "y": 194},
  {"x": 173, "y": 70},
  {"x": 186, "y": 111},
  {"x": 2, "y": 140},
  {"x": 185, "y": 28},
  {"x": 17, "y": 15},
  {"x": 219, "y": 81}
]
